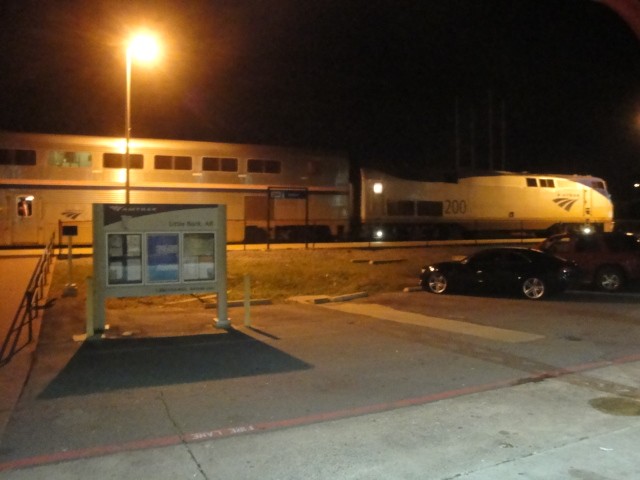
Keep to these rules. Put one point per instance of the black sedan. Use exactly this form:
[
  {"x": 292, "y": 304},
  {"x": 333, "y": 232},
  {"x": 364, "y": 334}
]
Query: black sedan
[{"x": 526, "y": 271}]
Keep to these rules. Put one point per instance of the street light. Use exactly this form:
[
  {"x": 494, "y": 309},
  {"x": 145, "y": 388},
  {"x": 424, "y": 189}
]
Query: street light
[{"x": 143, "y": 48}]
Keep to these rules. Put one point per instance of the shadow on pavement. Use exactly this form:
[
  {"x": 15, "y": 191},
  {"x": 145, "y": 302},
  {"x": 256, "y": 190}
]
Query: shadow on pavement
[{"x": 116, "y": 364}]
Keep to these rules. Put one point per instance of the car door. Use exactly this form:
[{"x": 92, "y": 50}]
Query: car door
[
  {"x": 514, "y": 266},
  {"x": 482, "y": 270},
  {"x": 587, "y": 253}
]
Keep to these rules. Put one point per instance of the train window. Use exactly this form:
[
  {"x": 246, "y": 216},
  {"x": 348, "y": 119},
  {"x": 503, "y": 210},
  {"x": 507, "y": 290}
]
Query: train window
[
  {"x": 597, "y": 184},
  {"x": 162, "y": 162},
  {"x": 263, "y": 166},
  {"x": 547, "y": 182},
  {"x": 17, "y": 157},
  {"x": 532, "y": 182},
  {"x": 24, "y": 206},
  {"x": 210, "y": 164},
  {"x": 25, "y": 157},
  {"x": 229, "y": 164},
  {"x": 168, "y": 162},
  {"x": 429, "y": 209},
  {"x": 254, "y": 166},
  {"x": 69, "y": 159},
  {"x": 402, "y": 207},
  {"x": 271, "y": 166},
  {"x": 215, "y": 164},
  {"x": 117, "y": 160},
  {"x": 182, "y": 163}
]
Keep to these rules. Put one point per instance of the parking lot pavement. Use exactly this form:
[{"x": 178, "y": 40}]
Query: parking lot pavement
[{"x": 306, "y": 391}]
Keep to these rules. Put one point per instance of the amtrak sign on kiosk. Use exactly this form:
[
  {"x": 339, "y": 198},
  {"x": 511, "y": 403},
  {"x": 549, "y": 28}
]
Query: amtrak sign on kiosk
[{"x": 158, "y": 249}]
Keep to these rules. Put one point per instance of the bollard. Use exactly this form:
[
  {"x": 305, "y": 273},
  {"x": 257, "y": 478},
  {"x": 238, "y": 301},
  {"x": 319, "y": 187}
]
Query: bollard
[
  {"x": 90, "y": 308},
  {"x": 247, "y": 301},
  {"x": 70, "y": 289}
]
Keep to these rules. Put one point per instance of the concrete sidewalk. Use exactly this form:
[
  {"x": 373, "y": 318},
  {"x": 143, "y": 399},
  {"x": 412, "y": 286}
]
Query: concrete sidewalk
[
  {"x": 14, "y": 280},
  {"x": 545, "y": 431}
]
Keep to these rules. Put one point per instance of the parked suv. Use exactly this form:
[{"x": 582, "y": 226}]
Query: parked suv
[{"x": 608, "y": 261}]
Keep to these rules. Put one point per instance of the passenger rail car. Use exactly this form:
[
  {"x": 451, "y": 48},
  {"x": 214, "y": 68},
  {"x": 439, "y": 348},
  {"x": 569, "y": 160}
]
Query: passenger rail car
[
  {"x": 271, "y": 193},
  {"x": 502, "y": 203}
]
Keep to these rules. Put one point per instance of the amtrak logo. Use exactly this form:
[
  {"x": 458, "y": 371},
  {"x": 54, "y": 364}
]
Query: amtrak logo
[
  {"x": 564, "y": 202},
  {"x": 133, "y": 208},
  {"x": 71, "y": 214}
]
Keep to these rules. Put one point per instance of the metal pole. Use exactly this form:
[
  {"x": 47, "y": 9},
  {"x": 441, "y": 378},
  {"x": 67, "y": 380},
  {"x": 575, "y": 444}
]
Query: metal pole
[
  {"x": 268, "y": 217},
  {"x": 247, "y": 301},
  {"x": 503, "y": 135},
  {"x": 221, "y": 268},
  {"x": 490, "y": 128},
  {"x": 90, "y": 310},
  {"x": 70, "y": 259},
  {"x": 306, "y": 218},
  {"x": 456, "y": 120},
  {"x": 127, "y": 122}
]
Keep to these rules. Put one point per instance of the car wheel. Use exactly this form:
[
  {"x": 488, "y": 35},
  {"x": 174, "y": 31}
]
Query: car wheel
[
  {"x": 534, "y": 288},
  {"x": 437, "y": 282},
  {"x": 609, "y": 279}
]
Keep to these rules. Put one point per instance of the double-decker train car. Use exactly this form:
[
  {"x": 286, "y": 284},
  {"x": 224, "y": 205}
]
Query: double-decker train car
[
  {"x": 271, "y": 193},
  {"x": 466, "y": 205}
]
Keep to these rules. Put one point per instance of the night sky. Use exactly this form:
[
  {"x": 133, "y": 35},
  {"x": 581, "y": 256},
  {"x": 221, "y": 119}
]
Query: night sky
[{"x": 536, "y": 85}]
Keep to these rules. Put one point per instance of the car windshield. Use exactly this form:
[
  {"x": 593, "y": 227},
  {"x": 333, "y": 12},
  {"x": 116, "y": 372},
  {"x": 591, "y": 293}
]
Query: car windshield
[{"x": 556, "y": 246}]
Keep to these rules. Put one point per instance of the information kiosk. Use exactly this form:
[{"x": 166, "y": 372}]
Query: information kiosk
[{"x": 157, "y": 249}]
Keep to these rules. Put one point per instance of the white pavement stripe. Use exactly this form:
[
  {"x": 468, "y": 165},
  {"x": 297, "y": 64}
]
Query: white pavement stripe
[{"x": 387, "y": 313}]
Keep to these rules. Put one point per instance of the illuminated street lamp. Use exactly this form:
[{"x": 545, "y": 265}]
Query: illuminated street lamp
[{"x": 143, "y": 48}]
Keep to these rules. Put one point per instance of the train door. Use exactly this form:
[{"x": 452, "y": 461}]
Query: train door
[
  {"x": 24, "y": 220},
  {"x": 256, "y": 214},
  {"x": 289, "y": 214},
  {"x": 586, "y": 204}
]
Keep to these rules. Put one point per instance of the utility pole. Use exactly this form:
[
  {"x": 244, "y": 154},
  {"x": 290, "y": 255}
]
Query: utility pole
[
  {"x": 456, "y": 119},
  {"x": 490, "y": 130}
]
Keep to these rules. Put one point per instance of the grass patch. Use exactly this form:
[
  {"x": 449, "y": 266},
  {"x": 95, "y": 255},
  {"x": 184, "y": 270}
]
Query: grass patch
[{"x": 280, "y": 274}]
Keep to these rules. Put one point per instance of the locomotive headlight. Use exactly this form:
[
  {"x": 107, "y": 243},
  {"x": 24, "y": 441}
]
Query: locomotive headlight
[
  {"x": 377, "y": 188},
  {"x": 378, "y": 234},
  {"x": 586, "y": 229}
]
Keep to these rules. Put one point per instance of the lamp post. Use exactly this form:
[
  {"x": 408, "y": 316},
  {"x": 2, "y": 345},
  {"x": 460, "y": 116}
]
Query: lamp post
[{"x": 144, "y": 48}]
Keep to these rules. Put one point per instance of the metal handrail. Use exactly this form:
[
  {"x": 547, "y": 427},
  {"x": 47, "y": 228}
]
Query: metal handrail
[{"x": 29, "y": 306}]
